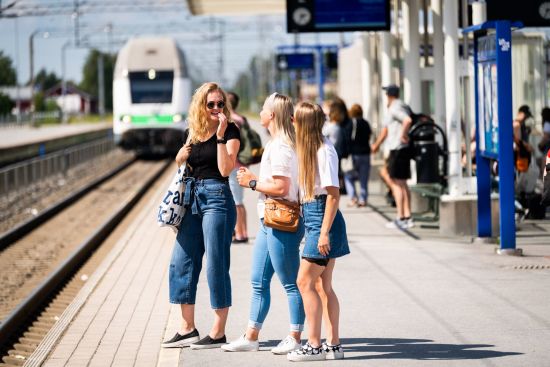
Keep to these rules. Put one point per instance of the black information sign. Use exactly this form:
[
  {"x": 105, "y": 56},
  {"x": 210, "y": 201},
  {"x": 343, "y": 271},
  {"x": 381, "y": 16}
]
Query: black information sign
[
  {"x": 337, "y": 15},
  {"x": 532, "y": 13}
]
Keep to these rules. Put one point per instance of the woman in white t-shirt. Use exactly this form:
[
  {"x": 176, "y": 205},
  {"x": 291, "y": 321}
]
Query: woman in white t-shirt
[
  {"x": 275, "y": 251},
  {"x": 325, "y": 237}
]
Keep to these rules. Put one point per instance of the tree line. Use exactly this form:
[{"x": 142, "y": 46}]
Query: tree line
[{"x": 45, "y": 80}]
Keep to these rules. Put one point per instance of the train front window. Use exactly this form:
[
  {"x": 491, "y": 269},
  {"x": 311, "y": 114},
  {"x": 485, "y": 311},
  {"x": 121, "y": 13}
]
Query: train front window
[{"x": 151, "y": 86}]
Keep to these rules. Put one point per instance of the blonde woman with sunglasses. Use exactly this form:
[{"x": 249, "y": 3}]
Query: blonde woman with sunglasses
[
  {"x": 325, "y": 234},
  {"x": 207, "y": 227}
]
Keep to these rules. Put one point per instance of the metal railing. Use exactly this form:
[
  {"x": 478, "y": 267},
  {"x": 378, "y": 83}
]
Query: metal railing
[{"x": 20, "y": 176}]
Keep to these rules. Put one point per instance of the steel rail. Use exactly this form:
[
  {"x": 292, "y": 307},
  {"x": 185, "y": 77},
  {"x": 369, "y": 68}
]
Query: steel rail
[
  {"x": 9, "y": 237},
  {"x": 25, "y": 312}
]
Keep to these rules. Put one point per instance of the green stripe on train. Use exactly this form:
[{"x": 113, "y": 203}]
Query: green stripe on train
[{"x": 145, "y": 119}]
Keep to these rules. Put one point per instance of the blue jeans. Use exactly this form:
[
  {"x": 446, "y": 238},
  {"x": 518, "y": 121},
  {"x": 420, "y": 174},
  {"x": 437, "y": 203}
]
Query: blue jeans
[
  {"x": 206, "y": 228},
  {"x": 276, "y": 252},
  {"x": 361, "y": 172}
]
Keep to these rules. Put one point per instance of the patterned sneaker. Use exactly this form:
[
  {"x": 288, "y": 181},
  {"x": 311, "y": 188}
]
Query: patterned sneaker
[
  {"x": 242, "y": 345},
  {"x": 306, "y": 353},
  {"x": 286, "y": 345},
  {"x": 208, "y": 343},
  {"x": 333, "y": 351},
  {"x": 179, "y": 341}
]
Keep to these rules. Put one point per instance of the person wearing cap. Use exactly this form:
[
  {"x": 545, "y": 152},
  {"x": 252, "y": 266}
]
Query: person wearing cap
[{"x": 395, "y": 130}]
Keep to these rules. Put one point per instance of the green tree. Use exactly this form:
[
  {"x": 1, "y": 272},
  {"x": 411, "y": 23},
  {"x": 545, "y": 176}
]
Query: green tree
[
  {"x": 6, "y": 104},
  {"x": 90, "y": 76},
  {"x": 39, "y": 102},
  {"x": 7, "y": 71},
  {"x": 44, "y": 80}
]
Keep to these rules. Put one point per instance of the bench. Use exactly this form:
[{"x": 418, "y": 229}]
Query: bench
[{"x": 432, "y": 192}]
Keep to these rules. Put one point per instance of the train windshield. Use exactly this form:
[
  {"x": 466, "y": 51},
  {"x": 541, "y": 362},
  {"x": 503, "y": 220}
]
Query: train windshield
[{"x": 151, "y": 86}]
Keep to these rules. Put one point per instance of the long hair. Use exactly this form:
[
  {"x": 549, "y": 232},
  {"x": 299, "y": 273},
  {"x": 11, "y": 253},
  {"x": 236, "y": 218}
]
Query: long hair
[
  {"x": 309, "y": 138},
  {"x": 198, "y": 124},
  {"x": 283, "y": 111}
]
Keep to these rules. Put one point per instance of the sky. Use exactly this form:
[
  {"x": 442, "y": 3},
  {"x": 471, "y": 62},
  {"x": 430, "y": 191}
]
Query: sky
[{"x": 244, "y": 37}]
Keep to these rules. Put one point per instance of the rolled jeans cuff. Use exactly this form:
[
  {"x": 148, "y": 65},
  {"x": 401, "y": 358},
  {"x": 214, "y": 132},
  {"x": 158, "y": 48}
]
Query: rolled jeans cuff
[
  {"x": 296, "y": 327},
  {"x": 255, "y": 325}
]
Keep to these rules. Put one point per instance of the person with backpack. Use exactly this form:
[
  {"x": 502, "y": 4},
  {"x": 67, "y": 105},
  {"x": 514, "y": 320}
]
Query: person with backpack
[
  {"x": 395, "y": 133},
  {"x": 360, "y": 155},
  {"x": 244, "y": 158}
]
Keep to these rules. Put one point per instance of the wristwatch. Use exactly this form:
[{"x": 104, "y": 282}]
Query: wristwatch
[
  {"x": 252, "y": 185},
  {"x": 221, "y": 141}
]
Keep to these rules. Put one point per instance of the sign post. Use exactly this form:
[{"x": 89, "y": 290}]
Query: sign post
[
  {"x": 306, "y": 57},
  {"x": 494, "y": 132}
]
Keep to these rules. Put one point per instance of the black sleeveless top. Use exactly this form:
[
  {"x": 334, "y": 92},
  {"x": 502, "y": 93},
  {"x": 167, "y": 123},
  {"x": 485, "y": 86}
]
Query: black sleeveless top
[{"x": 203, "y": 160}]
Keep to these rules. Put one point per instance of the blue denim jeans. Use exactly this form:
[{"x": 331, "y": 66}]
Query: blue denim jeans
[
  {"x": 361, "y": 172},
  {"x": 206, "y": 228},
  {"x": 276, "y": 252}
]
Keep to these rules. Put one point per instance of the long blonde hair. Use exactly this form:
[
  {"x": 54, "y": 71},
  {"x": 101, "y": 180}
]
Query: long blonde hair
[
  {"x": 309, "y": 138},
  {"x": 283, "y": 111},
  {"x": 198, "y": 124}
]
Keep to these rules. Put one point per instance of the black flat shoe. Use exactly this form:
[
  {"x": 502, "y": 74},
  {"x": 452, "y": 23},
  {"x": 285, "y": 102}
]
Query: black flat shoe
[
  {"x": 208, "y": 343},
  {"x": 179, "y": 341},
  {"x": 242, "y": 240}
]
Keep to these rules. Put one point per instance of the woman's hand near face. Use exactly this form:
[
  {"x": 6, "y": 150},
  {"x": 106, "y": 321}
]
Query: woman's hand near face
[
  {"x": 183, "y": 154},
  {"x": 220, "y": 133}
]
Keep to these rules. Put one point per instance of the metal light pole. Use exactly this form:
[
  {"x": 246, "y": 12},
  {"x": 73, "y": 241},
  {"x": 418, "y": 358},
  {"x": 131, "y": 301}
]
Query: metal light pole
[
  {"x": 64, "y": 117},
  {"x": 17, "y": 91},
  {"x": 31, "y": 67}
]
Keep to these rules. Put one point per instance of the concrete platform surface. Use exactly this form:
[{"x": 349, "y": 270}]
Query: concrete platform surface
[
  {"x": 404, "y": 302},
  {"x": 14, "y": 137}
]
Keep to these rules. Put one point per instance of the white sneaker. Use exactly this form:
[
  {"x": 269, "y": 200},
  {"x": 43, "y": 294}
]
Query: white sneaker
[
  {"x": 333, "y": 351},
  {"x": 396, "y": 223},
  {"x": 286, "y": 345},
  {"x": 409, "y": 223},
  {"x": 306, "y": 353},
  {"x": 242, "y": 345}
]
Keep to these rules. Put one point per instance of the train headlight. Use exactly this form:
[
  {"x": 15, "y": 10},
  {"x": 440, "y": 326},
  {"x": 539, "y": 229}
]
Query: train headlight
[
  {"x": 151, "y": 74},
  {"x": 177, "y": 117},
  {"x": 126, "y": 119}
]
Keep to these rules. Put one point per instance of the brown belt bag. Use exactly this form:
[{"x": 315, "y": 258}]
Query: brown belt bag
[{"x": 282, "y": 214}]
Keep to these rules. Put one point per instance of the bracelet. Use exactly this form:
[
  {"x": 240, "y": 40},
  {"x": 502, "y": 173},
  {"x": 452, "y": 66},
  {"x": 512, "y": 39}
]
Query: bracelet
[{"x": 221, "y": 141}]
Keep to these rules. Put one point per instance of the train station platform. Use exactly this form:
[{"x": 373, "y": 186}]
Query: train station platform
[
  {"x": 24, "y": 142},
  {"x": 404, "y": 302}
]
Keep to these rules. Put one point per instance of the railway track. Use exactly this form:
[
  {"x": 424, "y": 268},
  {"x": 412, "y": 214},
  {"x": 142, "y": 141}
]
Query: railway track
[{"x": 41, "y": 267}]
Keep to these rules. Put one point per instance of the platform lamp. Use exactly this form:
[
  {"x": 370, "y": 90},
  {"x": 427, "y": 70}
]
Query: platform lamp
[{"x": 31, "y": 63}]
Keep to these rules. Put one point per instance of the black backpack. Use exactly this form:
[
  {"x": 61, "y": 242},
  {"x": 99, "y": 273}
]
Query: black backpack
[
  {"x": 419, "y": 117},
  {"x": 251, "y": 149}
]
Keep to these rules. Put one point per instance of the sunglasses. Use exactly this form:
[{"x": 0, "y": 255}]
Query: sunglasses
[{"x": 219, "y": 104}]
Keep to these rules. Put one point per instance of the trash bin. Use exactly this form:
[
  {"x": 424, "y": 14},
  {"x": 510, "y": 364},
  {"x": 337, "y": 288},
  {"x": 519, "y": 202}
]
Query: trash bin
[
  {"x": 426, "y": 155},
  {"x": 427, "y": 152}
]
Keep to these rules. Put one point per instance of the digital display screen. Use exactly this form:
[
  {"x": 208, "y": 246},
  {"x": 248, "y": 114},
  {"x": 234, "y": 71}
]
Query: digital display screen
[
  {"x": 337, "y": 15},
  {"x": 351, "y": 14},
  {"x": 295, "y": 61}
]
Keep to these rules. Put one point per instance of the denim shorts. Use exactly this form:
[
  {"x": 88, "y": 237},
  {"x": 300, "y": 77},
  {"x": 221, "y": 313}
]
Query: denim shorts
[
  {"x": 205, "y": 229},
  {"x": 314, "y": 211}
]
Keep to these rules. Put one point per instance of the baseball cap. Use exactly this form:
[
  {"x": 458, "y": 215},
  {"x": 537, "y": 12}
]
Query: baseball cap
[{"x": 392, "y": 90}]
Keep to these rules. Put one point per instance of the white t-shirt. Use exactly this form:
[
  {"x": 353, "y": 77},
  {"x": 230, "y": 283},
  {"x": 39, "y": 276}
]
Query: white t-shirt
[
  {"x": 327, "y": 169},
  {"x": 278, "y": 159},
  {"x": 393, "y": 120}
]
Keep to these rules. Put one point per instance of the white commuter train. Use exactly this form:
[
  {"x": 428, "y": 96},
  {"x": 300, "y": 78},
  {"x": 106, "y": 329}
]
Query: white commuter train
[{"x": 151, "y": 95}]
